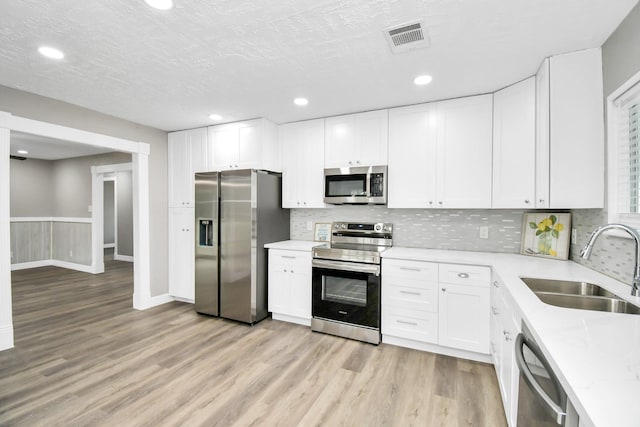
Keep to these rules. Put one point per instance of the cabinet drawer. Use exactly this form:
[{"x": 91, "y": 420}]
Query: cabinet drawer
[
  {"x": 418, "y": 326},
  {"x": 290, "y": 258},
  {"x": 417, "y": 270},
  {"x": 411, "y": 298},
  {"x": 465, "y": 274}
]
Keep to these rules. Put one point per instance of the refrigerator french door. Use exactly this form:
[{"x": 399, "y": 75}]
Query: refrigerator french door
[{"x": 206, "y": 243}]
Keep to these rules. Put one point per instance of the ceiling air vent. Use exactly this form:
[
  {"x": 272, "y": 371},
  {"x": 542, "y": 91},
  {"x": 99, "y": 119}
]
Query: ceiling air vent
[{"x": 407, "y": 37}]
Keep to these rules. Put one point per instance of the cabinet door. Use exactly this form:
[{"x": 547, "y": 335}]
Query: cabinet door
[
  {"x": 200, "y": 156},
  {"x": 576, "y": 158},
  {"x": 224, "y": 141},
  {"x": 464, "y": 152},
  {"x": 249, "y": 145},
  {"x": 372, "y": 135},
  {"x": 542, "y": 136},
  {"x": 181, "y": 253},
  {"x": 514, "y": 140},
  {"x": 340, "y": 141},
  {"x": 464, "y": 317},
  {"x": 279, "y": 298},
  {"x": 179, "y": 170},
  {"x": 302, "y": 164},
  {"x": 412, "y": 157},
  {"x": 300, "y": 287}
]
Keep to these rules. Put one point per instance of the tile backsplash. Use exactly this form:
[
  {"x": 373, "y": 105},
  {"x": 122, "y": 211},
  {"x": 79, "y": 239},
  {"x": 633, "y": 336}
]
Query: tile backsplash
[
  {"x": 428, "y": 228},
  {"x": 460, "y": 230}
]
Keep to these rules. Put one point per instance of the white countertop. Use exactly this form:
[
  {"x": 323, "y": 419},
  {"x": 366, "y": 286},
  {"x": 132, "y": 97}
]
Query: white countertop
[
  {"x": 293, "y": 245},
  {"x": 595, "y": 355}
]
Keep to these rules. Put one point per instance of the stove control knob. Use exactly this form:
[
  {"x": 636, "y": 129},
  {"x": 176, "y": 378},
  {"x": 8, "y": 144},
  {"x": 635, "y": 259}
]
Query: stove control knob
[
  {"x": 378, "y": 227},
  {"x": 336, "y": 225},
  {"x": 343, "y": 226}
]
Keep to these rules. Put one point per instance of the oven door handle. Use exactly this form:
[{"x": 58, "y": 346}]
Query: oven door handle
[
  {"x": 347, "y": 266},
  {"x": 558, "y": 413}
]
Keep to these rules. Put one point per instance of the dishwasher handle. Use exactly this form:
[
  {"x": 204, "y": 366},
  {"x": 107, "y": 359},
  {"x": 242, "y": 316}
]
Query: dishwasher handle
[{"x": 558, "y": 413}]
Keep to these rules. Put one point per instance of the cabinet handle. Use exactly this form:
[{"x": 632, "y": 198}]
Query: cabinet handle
[
  {"x": 298, "y": 203},
  {"x": 526, "y": 201},
  {"x": 230, "y": 166},
  {"x": 236, "y": 165},
  {"x": 409, "y": 269},
  {"x": 410, "y": 293},
  {"x": 285, "y": 270},
  {"x": 291, "y": 271},
  {"x": 541, "y": 200},
  {"x": 350, "y": 163},
  {"x": 358, "y": 162},
  {"x": 444, "y": 289},
  {"x": 407, "y": 323},
  {"x": 507, "y": 336},
  {"x": 463, "y": 275},
  {"x": 430, "y": 202},
  {"x": 496, "y": 284},
  {"x": 494, "y": 310},
  {"x": 493, "y": 348},
  {"x": 288, "y": 256},
  {"x": 440, "y": 202},
  {"x": 304, "y": 203}
]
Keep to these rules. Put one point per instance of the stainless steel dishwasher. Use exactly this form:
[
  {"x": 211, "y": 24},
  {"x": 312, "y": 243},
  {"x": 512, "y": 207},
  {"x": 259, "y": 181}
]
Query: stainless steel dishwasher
[{"x": 541, "y": 399}]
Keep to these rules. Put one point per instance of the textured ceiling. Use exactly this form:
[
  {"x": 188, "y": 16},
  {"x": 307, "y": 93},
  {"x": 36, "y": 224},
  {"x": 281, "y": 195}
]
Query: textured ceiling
[{"x": 245, "y": 59}]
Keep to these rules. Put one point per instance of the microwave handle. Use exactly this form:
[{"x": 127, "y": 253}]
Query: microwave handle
[{"x": 558, "y": 414}]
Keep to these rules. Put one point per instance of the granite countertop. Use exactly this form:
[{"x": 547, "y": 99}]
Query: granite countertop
[{"x": 595, "y": 355}]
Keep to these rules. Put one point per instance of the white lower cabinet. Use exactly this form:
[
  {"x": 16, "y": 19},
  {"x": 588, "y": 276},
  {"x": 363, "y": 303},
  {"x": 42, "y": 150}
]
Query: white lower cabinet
[
  {"x": 181, "y": 253},
  {"x": 290, "y": 285},
  {"x": 442, "y": 304},
  {"x": 505, "y": 326}
]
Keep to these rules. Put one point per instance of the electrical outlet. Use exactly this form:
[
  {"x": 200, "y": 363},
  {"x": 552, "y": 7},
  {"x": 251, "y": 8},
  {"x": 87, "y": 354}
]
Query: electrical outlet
[
  {"x": 90, "y": 208},
  {"x": 71, "y": 254},
  {"x": 484, "y": 232},
  {"x": 11, "y": 254},
  {"x": 309, "y": 226},
  {"x": 574, "y": 236}
]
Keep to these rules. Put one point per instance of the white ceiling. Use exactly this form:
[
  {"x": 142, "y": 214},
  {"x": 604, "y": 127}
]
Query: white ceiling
[
  {"x": 43, "y": 148},
  {"x": 249, "y": 58}
]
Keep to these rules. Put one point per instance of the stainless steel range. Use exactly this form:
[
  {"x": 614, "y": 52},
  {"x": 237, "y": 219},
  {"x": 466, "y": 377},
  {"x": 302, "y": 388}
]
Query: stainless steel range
[{"x": 346, "y": 280}]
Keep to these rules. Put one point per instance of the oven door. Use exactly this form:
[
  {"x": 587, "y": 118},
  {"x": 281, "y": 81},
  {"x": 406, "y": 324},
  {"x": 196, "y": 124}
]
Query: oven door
[{"x": 347, "y": 292}]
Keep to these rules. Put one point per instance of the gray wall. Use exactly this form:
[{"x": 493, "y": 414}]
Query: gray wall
[
  {"x": 620, "y": 61},
  {"x": 72, "y": 182},
  {"x": 36, "y": 107},
  {"x": 125, "y": 213},
  {"x": 31, "y": 188},
  {"x": 109, "y": 214}
]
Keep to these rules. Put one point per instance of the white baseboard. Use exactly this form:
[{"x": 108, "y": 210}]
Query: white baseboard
[
  {"x": 6, "y": 337},
  {"x": 155, "y": 301},
  {"x": 434, "y": 348},
  {"x": 109, "y": 245},
  {"x": 32, "y": 264},
  {"x": 190, "y": 301},
  {"x": 291, "y": 319},
  {"x": 127, "y": 258},
  {"x": 52, "y": 263}
]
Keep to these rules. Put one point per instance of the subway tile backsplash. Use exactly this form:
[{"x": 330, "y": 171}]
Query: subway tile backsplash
[
  {"x": 460, "y": 230},
  {"x": 428, "y": 228}
]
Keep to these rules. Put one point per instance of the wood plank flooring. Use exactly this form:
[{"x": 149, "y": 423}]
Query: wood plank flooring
[{"x": 83, "y": 356}]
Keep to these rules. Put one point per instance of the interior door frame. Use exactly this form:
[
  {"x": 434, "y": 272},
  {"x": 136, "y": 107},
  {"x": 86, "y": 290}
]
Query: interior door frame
[{"x": 140, "y": 168}]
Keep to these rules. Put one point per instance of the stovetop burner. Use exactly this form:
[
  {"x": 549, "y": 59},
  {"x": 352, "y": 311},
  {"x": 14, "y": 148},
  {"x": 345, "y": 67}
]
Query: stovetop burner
[{"x": 356, "y": 242}]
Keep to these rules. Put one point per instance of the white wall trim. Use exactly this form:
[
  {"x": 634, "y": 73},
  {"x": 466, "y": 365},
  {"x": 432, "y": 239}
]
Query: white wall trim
[
  {"x": 159, "y": 300},
  {"x": 49, "y": 219},
  {"x": 141, "y": 234},
  {"x": 434, "y": 348},
  {"x": 126, "y": 258},
  {"x": 109, "y": 245},
  {"x": 291, "y": 319},
  {"x": 187, "y": 300},
  {"x": 6, "y": 337},
  {"x": 52, "y": 263},
  {"x": 118, "y": 167}
]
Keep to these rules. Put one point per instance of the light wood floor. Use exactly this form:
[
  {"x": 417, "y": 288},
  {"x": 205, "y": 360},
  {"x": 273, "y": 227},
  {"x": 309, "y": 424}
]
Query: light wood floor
[{"x": 83, "y": 356}]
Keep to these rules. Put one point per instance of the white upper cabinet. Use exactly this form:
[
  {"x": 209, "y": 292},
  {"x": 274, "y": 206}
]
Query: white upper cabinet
[
  {"x": 514, "y": 145},
  {"x": 302, "y": 145},
  {"x": 356, "y": 140},
  {"x": 576, "y": 129},
  {"x": 187, "y": 153},
  {"x": 440, "y": 154},
  {"x": 412, "y": 156},
  {"x": 250, "y": 144},
  {"x": 570, "y": 131}
]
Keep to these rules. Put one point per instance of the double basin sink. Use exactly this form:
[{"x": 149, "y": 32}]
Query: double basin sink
[{"x": 580, "y": 295}]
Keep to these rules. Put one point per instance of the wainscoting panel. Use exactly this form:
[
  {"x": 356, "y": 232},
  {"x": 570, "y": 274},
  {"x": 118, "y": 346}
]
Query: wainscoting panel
[
  {"x": 30, "y": 241},
  {"x": 72, "y": 242}
]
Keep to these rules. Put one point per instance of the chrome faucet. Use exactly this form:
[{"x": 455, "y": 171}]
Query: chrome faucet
[{"x": 585, "y": 253}]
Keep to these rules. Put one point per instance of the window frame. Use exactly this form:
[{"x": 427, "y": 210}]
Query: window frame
[{"x": 616, "y": 101}]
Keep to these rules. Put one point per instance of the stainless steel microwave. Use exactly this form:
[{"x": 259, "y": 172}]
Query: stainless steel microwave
[{"x": 360, "y": 185}]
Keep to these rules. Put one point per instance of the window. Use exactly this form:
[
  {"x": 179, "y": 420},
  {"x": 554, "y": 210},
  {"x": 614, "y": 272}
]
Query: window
[{"x": 624, "y": 153}]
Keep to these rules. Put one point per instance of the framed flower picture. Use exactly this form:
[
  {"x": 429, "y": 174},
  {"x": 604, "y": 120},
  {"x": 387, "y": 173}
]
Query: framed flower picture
[{"x": 546, "y": 235}]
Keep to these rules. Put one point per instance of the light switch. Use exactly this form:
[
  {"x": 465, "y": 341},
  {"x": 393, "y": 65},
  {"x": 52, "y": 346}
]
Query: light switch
[
  {"x": 484, "y": 232},
  {"x": 90, "y": 208},
  {"x": 574, "y": 236}
]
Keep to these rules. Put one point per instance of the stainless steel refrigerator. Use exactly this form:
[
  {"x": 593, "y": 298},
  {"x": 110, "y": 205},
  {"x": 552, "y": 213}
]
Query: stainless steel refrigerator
[{"x": 236, "y": 213}]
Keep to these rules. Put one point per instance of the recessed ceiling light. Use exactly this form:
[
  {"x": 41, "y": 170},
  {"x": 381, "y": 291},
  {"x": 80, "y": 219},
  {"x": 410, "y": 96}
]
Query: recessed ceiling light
[
  {"x": 301, "y": 101},
  {"x": 215, "y": 116},
  {"x": 50, "y": 52},
  {"x": 23, "y": 152},
  {"x": 422, "y": 80},
  {"x": 160, "y": 4}
]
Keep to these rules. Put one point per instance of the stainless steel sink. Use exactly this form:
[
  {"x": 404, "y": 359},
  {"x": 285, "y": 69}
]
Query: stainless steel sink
[
  {"x": 582, "y": 302},
  {"x": 579, "y": 295},
  {"x": 566, "y": 287}
]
